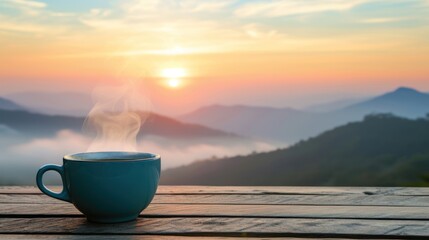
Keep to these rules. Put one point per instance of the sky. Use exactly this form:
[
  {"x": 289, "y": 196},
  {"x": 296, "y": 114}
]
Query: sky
[{"x": 186, "y": 54}]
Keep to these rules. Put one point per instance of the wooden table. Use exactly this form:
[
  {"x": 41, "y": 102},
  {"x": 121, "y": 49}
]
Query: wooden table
[{"x": 194, "y": 212}]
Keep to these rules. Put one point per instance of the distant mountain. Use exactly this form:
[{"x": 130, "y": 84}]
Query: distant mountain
[
  {"x": 43, "y": 125},
  {"x": 332, "y": 106},
  {"x": 38, "y": 124},
  {"x": 261, "y": 122},
  {"x": 381, "y": 150},
  {"x": 406, "y": 102},
  {"x": 291, "y": 125},
  {"x": 164, "y": 126},
  {"x": 6, "y": 104},
  {"x": 63, "y": 103}
]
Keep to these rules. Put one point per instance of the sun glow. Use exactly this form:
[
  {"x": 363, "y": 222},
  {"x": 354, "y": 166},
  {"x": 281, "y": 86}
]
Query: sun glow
[
  {"x": 174, "y": 82},
  {"x": 173, "y": 72},
  {"x": 173, "y": 76}
]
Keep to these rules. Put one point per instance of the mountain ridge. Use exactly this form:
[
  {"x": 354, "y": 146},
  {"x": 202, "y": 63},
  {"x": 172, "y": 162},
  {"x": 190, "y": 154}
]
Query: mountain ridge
[
  {"x": 54, "y": 103},
  {"x": 7, "y": 104},
  {"x": 291, "y": 125},
  {"x": 380, "y": 150},
  {"x": 403, "y": 101},
  {"x": 156, "y": 124}
]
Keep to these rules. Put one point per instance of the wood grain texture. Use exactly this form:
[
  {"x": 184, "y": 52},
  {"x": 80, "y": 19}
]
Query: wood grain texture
[
  {"x": 134, "y": 237},
  {"x": 237, "y": 199},
  {"x": 265, "y": 211},
  {"x": 402, "y": 191},
  {"x": 194, "y": 212},
  {"x": 237, "y": 227}
]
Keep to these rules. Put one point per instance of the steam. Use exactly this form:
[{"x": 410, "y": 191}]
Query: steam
[{"x": 116, "y": 118}]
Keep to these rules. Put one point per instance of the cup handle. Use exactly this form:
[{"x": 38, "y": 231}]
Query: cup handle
[{"x": 64, "y": 194}]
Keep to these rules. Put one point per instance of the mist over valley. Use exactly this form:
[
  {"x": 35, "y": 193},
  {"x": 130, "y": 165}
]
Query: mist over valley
[{"x": 29, "y": 138}]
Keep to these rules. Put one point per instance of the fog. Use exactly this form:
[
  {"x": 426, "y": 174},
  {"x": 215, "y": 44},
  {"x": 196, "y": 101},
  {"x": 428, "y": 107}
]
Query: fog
[{"x": 22, "y": 155}]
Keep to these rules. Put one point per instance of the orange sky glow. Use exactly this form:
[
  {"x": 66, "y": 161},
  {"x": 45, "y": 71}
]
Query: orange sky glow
[{"x": 193, "y": 53}]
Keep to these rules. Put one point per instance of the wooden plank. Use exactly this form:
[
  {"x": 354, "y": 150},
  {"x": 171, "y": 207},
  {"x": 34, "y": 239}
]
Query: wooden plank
[
  {"x": 266, "y": 211},
  {"x": 134, "y": 237},
  {"x": 345, "y": 200},
  {"x": 236, "y": 199},
  {"x": 140, "y": 237},
  {"x": 405, "y": 191},
  {"x": 234, "y": 227}
]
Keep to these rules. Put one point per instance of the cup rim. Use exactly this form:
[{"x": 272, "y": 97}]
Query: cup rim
[{"x": 126, "y": 156}]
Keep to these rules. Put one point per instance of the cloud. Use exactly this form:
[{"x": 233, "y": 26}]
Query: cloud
[
  {"x": 25, "y": 3},
  {"x": 64, "y": 142},
  {"x": 32, "y": 17},
  {"x": 28, "y": 7},
  {"x": 5, "y": 130},
  {"x": 177, "y": 152},
  {"x": 150, "y": 8},
  {"x": 11, "y": 25},
  {"x": 205, "y": 6},
  {"x": 293, "y": 7},
  {"x": 259, "y": 31},
  {"x": 100, "y": 12},
  {"x": 151, "y": 29},
  {"x": 136, "y": 28},
  {"x": 381, "y": 20},
  {"x": 20, "y": 160},
  {"x": 62, "y": 14}
]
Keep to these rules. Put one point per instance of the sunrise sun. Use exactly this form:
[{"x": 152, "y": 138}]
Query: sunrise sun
[
  {"x": 173, "y": 76},
  {"x": 173, "y": 82}
]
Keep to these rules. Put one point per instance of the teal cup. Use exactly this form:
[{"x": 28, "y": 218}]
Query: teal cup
[{"x": 107, "y": 187}]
